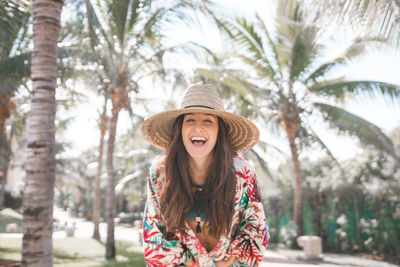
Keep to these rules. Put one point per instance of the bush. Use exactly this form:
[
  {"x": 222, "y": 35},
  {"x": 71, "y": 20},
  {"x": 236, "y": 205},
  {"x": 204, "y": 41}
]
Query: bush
[{"x": 13, "y": 202}]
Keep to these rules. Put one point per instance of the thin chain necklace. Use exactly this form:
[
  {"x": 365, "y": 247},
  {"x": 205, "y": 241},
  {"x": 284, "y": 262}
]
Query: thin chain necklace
[{"x": 198, "y": 197}]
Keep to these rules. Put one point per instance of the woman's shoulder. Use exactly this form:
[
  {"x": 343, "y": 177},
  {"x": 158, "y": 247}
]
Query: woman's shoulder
[
  {"x": 157, "y": 168},
  {"x": 246, "y": 179},
  {"x": 243, "y": 168}
]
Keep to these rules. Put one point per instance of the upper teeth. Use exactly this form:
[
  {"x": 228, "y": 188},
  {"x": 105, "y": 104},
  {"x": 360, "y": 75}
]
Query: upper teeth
[{"x": 198, "y": 139}]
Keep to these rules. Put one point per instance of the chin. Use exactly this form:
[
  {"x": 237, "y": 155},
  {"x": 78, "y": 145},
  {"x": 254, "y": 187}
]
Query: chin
[{"x": 199, "y": 155}]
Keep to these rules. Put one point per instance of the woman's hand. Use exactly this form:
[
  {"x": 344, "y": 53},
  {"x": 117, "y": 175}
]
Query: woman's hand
[
  {"x": 225, "y": 263},
  {"x": 190, "y": 264}
]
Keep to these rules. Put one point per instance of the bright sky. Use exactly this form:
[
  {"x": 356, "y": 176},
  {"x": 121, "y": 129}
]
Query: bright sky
[{"x": 83, "y": 131}]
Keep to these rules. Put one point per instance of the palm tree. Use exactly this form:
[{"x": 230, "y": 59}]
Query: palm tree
[
  {"x": 14, "y": 68},
  {"x": 367, "y": 17},
  {"x": 288, "y": 76},
  {"x": 37, "y": 248},
  {"x": 97, "y": 199},
  {"x": 126, "y": 43}
]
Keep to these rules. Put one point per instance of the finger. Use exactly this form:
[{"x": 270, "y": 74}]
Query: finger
[{"x": 230, "y": 260}]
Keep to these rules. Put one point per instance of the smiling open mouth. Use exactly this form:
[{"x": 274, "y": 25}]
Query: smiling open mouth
[{"x": 198, "y": 140}]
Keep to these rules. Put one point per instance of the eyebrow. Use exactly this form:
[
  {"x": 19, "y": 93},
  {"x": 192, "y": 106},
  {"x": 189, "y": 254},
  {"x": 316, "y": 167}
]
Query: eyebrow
[{"x": 207, "y": 114}]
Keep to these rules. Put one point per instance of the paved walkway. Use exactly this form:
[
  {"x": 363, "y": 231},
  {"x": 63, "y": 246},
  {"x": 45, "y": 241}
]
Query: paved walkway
[
  {"x": 286, "y": 257},
  {"x": 83, "y": 243}
]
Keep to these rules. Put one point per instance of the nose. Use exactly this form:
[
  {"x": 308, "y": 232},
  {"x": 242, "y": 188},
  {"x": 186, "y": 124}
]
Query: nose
[{"x": 198, "y": 126}]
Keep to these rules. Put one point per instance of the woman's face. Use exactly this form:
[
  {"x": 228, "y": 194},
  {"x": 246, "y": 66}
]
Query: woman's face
[{"x": 199, "y": 134}]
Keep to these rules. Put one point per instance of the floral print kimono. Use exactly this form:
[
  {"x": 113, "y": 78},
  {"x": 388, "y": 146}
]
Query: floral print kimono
[{"x": 246, "y": 241}]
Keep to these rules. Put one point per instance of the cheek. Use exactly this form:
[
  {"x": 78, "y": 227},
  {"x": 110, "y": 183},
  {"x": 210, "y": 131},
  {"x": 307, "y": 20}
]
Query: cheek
[
  {"x": 214, "y": 134},
  {"x": 183, "y": 131},
  {"x": 183, "y": 134}
]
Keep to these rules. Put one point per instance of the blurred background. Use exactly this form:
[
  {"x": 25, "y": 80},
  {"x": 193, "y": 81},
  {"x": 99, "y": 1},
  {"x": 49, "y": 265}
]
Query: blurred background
[{"x": 320, "y": 79}]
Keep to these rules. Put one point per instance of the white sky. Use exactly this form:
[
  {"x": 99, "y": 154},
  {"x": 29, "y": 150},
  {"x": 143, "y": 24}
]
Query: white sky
[{"x": 83, "y": 131}]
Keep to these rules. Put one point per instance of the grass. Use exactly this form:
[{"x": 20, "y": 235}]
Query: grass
[
  {"x": 75, "y": 252},
  {"x": 69, "y": 251},
  {"x": 127, "y": 258},
  {"x": 10, "y": 253}
]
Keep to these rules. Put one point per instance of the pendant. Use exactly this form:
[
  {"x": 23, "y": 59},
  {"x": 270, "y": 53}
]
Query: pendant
[{"x": 198, "y": 226}]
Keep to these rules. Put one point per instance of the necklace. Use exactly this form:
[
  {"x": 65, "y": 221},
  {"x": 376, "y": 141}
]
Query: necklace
[
  {"x": 199, "y": 187},
  {"x": 198, "y": 200}
]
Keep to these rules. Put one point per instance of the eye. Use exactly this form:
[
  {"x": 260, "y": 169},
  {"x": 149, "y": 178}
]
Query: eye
[
  {"x": 208, "y": 121},
  {"x": 189, "y": 120}
]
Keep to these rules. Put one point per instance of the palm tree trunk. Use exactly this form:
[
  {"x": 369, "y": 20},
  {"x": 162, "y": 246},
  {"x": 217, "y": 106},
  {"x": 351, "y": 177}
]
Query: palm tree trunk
[
  {"x": 97, "y": 199},
  {"x": 110, "y": 205},
  {"x": 298, "y": 190},
  {"x": 37, "y": 246},
  {"x": 2, "y": 140},
  {"x": 6, "y": 106},
  {"x": 3, "y": 184}
]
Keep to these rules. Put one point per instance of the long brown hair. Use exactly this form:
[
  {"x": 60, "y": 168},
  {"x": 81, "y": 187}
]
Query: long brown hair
[{"x": 177, "y": 196}]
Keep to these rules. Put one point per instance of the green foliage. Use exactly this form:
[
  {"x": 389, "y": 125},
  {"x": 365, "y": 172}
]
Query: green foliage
[
  {"x": 359, "y": 214},
  {"x": 340, "y": 88},
  {"x": 355, "y": 125},
  {"x": 14, "y": 16},
  {"x": 131, "y": 258},
  {"x": 13, "y": 202},
  {"x": 290, "y": 71}
]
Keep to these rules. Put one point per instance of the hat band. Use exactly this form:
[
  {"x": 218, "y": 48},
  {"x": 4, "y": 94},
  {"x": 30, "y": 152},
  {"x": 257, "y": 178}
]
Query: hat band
[{"x": 199, "y": 106}]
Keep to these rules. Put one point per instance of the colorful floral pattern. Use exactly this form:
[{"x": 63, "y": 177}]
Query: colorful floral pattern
[{"x": 249, "y": 230}]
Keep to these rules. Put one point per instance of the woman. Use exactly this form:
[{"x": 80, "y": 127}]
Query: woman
[{"x": 203, "y": 206}]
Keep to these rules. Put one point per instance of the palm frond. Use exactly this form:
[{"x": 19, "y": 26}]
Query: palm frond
[
  {"x": 263, "y": 163},
  {"x": 152, "y": 21},
  {"x": 303, "y": 52},
  {"x": 271, "y": 43},
  {"x": 246, "y": 36},
  {"x": 356, "y": 49},
  {"x": 17, "y": 66},
  {"x": 328, "y": 151},
  {"x": 359, "y": 46},
  {"x": 262, "y": 70},
  {"x": 323, "y": 69},
  {"x": 340, "y": 87},
  {"x": 289, "y": 9},
  {"x": 134, "y": 14},
  {"x": 206, "y": 7},
  {"x": 364, "y": 16},
  {"x": 96, "y": 28},
  {"x": 14, "y": 17},
  {"x": 8, "y": 86},
  {"x": 350, "y": 123},
  {"x": 231, "y": 79},
  {"x": 118, "y": 17},
  {"x": 240, "y": 94},
  {"x": 197, "y": 50}
]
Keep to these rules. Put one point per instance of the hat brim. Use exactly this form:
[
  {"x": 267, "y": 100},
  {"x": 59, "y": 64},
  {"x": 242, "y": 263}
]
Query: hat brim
[{"x": 157, "y": 129}]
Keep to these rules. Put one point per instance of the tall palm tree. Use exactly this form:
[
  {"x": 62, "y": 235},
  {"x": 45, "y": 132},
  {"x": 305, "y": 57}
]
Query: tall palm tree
[
  {"x": 97, "y": 199},
  {"x": 126, "y": 43},
  {"x": 287, "y": 75},
  {"x": 37, "y": 248}
]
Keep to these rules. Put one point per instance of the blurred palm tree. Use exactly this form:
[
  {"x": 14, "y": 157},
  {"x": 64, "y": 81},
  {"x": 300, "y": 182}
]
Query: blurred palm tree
[
  {"x": 283, "y": 78},
  {"x": 14, "y": 69},
  {"x": 37, "y": 248},
  {"x": 126, "y": 47},
  {"x": 97, "y": 200}
]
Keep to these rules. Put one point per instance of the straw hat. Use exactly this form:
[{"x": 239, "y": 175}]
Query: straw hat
[{"x": 200, "y": 98}]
